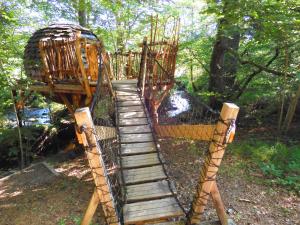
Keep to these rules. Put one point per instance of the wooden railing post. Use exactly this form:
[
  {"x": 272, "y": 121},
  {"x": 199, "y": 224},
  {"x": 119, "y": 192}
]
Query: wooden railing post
[
  {"x": 143, "y": 67},
  {"x": 94, "y": 155},
  {"x": 206, "y": 185}
]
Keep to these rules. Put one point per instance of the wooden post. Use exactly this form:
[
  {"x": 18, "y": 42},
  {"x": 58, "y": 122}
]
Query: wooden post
[
  {"x": 82, "y": 69},
  {"x": 94, "y": 155},
  {"x": 108, "y": 73},
  {"x": 90, "y": 211},
  {"x": 143, "y": 67},
  {"x": 218, "y": 203},
  {"x": 212, "y": 162}
]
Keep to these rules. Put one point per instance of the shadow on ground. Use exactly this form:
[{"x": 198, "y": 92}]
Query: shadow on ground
[{"x": 37, "y": 196}]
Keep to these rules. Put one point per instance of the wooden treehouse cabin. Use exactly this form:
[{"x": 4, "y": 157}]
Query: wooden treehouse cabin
[
  {"x": 69, "y": 65},
  {"x": 63, "y": 62}
]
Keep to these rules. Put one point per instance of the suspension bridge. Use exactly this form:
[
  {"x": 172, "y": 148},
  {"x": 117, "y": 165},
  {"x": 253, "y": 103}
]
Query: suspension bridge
[{"x": 115, "y": 100}]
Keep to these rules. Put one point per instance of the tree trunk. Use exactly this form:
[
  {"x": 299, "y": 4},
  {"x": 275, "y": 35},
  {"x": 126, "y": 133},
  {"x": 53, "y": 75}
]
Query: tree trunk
[
  {"x": 291, "y": 110},
  {"x": 82, "y": 15},
  {"x": 223, "y": 65},
  {"x": 19, "y": 133}
]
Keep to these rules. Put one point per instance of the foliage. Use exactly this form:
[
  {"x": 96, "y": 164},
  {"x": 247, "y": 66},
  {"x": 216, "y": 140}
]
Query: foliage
[
  {"x": 10, "y": 155},
  {"x": 279, "y": 162}
]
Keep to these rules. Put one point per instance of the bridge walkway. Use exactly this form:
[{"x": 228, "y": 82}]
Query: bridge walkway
[{"x": 148, "y": 192}]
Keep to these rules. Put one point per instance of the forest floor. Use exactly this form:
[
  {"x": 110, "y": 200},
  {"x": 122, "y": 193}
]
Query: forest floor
[
  {"x": 37, "y": 197},
  {"x": 246, "y": 198}
]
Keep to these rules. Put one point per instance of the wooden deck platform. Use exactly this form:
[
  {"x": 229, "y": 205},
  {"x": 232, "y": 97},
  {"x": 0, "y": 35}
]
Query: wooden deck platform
[{"x": 148, "y": 194}]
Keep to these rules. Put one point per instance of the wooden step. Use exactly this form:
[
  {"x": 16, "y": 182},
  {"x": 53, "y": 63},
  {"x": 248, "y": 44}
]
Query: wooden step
[
  {"x": 127, "y": 93},
  {"x": 132, "y": 115},
  {"x": 133, "y": 122},
  {"x": 129, "y": 103},
  {"x": 137, "y": 161},
  {"x": 148, "y": 191},
  {"x": 143, "y": 175},
  {"x": 126, "y": 89},
  {"x": 129, "y": 81},
  {"x": 136, "y": 138},
  {"x": 135, "y": 129},
  {"x": 137, "y": 148},
  {"x": 167, "y": 223},
  {"x": 131, "y": 109},
  {"x": 121, "y": 98},
  {"x": 147, "y": 211}
]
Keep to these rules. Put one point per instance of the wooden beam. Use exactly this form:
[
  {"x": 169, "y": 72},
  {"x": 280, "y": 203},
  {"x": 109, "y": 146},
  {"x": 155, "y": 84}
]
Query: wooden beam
[
  {"x": 94, "y": 155},
  {"x": 67, "y": 103},
  {"x": 212, "y": 162},
  {"x": 82, "y": 69},
  {"x": 91, "y": 209},
  {"x": 59, "y": 88},
  {"x": 108, "y": 71},
  {"x": 218, "y": 204},
  {"x": 196, "y": 132}
]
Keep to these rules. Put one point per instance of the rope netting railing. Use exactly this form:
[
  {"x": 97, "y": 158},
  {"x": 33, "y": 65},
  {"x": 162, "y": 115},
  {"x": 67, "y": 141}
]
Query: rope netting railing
[
  {"x": 183, "y": 115},
  {"x": 102, "y": 149},
  {"x": 180, "y": 119}
]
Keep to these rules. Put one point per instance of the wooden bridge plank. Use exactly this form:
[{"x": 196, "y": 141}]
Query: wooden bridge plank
[
  {"x": 131, "y": 109},
  {"x": 136, "y": 138},
  {"x": 120, "y": 82},
  {"x": 126, "y": 89},
  {"x": 137, "y": 148},
  {"x": 148, "y": 191},
  {"x": 143, "y": 175},
  {"x": 126, "y": 93},
  {"x": 121, "y": 98},
  {"x": 132, "y": 115},
  {"x": 137, "y": 161},
  {"x": 129, "y": 103},
  {"x": 135, "y": 129},
  {"x": 133, "y": 122},
  {"x": 166, "y": 223},
  {"x": 141, "y": 212}
]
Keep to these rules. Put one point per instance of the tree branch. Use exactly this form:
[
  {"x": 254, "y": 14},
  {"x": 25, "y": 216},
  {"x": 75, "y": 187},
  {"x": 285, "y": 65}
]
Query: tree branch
[
  {"x": 261, "y": 67},
  {"x": 201, "y": 63},
  {"x": 252, "y": 75}
]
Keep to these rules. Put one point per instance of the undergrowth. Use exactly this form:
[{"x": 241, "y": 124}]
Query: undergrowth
[{"x": 279, "y": 163}]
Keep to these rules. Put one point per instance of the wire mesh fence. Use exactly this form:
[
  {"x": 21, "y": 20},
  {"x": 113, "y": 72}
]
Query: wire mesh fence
[
  {"x": 102, "y": 151},
  {"x": 180, "y": 107}
]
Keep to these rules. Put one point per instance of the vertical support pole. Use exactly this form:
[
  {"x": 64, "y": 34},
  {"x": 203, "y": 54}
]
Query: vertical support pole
[
  {"x": 85, "y": 80},
  {"x": 90, "y": 211},
  {"x": 212, "y": 162},
  {"x": 143, "y": 67},
  {"x": 108, "y": 72},
  {"x": 94, "y": 155}
]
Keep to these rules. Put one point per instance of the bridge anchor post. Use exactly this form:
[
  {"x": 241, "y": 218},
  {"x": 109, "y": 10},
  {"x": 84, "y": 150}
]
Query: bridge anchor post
[
  {"x": 94, "y": 155},
  {"x": 207, "y": 183}
]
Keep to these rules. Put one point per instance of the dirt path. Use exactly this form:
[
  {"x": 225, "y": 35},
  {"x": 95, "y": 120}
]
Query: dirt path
[{"x": 37, "y": 197}]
